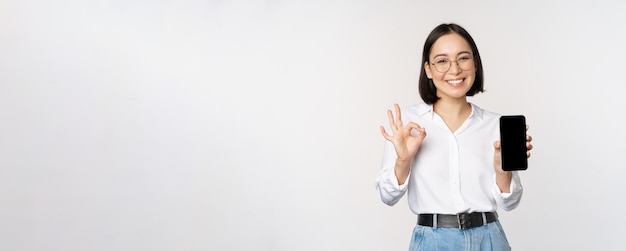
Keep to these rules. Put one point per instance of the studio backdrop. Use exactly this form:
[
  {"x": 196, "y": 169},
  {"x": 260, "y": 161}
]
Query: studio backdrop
[{"x": 253, "y": 125}]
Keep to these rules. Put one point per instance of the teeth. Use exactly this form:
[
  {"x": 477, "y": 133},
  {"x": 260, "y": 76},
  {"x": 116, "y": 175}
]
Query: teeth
[{"x": 454, "y": 82}]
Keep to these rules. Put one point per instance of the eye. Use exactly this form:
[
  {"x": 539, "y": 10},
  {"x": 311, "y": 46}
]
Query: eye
[
  {"x": 464, "y": 58},
  {"x": 441, "y": 61}
]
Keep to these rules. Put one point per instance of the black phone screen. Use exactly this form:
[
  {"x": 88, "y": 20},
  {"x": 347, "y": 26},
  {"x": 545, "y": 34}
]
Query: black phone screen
[{"x": 513, "y": 142}]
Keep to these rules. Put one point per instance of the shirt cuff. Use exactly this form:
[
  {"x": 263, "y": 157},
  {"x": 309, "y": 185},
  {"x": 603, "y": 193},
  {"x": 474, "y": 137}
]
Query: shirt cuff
[{"x": 510, "y": 200}]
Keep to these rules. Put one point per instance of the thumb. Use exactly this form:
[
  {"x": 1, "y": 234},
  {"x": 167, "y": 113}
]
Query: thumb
[{"x": 496, "y": 145}]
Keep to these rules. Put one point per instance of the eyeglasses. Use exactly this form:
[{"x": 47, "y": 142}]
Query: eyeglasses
[{"x": 442, "y": 65}]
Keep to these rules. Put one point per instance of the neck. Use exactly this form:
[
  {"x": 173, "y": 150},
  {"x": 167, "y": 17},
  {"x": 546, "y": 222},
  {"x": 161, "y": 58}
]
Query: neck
[{"x": 452, "y": 108}]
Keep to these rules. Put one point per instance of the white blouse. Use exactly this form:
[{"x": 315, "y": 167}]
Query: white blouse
[{"x": 452, "y": 172}]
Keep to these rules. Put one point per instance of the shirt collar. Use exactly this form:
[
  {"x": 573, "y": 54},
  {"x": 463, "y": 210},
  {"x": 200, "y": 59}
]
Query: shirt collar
[
  {"x": 476, "y": 111},
  {"x": 426, "y": 111}
]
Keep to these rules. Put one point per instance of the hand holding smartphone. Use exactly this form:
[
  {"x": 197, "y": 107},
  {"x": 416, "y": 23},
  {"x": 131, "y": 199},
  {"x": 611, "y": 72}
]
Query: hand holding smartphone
[{"x": 513, "y": 143}]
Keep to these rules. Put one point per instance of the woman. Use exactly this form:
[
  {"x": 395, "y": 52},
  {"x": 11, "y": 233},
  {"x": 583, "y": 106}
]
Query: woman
[{"x": 447, "y": 157}]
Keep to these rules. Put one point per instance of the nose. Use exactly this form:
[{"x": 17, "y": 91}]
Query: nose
[{"x": 454, "y": 67}]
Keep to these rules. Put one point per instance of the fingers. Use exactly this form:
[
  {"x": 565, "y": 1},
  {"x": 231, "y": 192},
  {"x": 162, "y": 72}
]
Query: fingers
[
  {"x": 398, "y": 115},
  {"x": 396, "y": 122},
  {"x": 528, "y": 137},
  {"x": 410, "y": 126},
  {"x": 421, "y": 132},
  {"x": 497, "y": 145},
  {"x": 384, "y": 133},
  {"x": 391, "y": 120},
  {"x": 397, "y": 127},
  {"x": 529, "y": 146},
  {"x": 413, "y": 125}
]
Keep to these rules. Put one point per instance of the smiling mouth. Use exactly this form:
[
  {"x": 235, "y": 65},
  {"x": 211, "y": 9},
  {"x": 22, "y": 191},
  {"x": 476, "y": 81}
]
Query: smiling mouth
[{"x": 455, "y": 82}]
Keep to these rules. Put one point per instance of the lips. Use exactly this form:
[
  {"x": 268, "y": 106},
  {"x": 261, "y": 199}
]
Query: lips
[{"x": 455, "y": 82}]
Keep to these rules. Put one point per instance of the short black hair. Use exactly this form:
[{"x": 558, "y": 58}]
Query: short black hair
[{"x": 427, "y": 89}]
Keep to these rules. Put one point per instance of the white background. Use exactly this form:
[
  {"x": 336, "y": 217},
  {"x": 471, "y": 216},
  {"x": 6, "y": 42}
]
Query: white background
[{"x": 253, "y": 125}]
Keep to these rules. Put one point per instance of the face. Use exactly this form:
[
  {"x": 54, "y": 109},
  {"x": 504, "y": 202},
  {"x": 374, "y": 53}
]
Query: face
[{"x": 457, "y": 80}]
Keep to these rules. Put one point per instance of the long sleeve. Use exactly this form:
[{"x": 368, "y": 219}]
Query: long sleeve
[
  {"x": 386, "y": 181},
  {"x": 453, "y": 171},
  {"x": 509, "y": 201}
]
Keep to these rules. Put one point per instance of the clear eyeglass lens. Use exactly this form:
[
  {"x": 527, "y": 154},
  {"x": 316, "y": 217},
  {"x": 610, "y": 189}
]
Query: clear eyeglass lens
[{"x": 443, "y": 65}]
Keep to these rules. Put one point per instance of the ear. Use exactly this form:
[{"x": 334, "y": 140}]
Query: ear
[{"x": 429, "y": 74}]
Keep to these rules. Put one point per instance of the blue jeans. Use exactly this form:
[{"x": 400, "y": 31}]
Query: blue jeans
[{"x": 489, "y": 237}]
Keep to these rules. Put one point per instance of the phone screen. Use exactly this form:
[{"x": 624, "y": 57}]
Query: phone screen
[{"x": 513, "y": 143}]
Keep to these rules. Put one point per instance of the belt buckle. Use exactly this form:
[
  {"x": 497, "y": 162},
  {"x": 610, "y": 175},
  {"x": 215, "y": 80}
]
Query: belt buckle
[{"x": 464, "y": 222}]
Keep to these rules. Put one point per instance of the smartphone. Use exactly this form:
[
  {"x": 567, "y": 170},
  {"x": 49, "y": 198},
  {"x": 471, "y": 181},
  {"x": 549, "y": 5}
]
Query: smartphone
[{"x": 513, "y": 142}]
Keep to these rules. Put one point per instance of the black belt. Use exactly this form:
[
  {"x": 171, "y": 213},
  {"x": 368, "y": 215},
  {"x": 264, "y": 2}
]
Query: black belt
[{"x": 462, "y": 221}]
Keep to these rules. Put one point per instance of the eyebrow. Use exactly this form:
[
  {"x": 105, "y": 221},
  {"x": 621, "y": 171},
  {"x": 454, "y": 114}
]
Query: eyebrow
[{"x": 462, "y": 52}]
